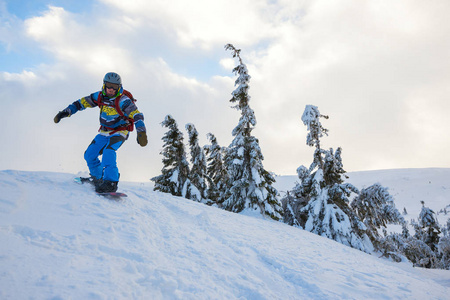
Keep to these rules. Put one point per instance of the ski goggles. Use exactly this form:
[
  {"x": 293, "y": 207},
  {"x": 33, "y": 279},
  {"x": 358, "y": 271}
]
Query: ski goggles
[{"x": 109, "y": 85}]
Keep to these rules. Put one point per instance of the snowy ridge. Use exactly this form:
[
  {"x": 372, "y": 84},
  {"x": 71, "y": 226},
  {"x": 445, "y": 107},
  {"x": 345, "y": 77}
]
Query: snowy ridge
[{"x": 59, "y": 240}]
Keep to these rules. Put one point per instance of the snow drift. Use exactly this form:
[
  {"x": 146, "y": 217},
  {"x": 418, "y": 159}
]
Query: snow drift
[{"x": 59, "y": 240}]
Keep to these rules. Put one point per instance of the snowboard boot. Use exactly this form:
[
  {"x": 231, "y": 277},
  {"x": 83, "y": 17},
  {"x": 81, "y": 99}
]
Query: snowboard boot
[
  {"x": 106, "y": 186},
  {"x": 91, "y": 180}
]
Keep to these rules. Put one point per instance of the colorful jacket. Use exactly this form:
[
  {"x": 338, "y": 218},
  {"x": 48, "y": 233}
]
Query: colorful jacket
[{"x": 109, "y": 117}]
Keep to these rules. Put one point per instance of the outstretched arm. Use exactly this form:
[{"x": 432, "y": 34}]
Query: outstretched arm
[{"x": 80, "y": 104}]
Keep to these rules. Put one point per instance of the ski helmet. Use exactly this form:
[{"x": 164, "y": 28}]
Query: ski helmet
[{"x": 112, "y": 78}]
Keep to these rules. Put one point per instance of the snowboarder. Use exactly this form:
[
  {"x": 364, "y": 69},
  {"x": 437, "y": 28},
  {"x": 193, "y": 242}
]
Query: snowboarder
[{"x": 118, "y": 112}]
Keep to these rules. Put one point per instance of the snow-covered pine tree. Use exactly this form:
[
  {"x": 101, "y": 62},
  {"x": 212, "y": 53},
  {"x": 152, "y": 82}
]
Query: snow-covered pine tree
[
  {"x": 444, "y": 252},
  {"x": 446, "y": 229},
  {"x": 390, "y": 245},
  {"x": 296, "y": 199},
  {"x": 375, "y": 207},
  {"x": 419, "y": 253},
  {"x": 175, "y": 172},
  {"x": 429, "y": 227},
  {"x": 216, "y": 171},
  {"x": 323, "y": 196},
  {"x": 197, "y": 187},
  {"x": 405, "y": 230},
  {"x": 290, "y": 205},
  {"x": 250, "y": 185},
  {"x": 416, "y": 249},
  {"x": 311, "y": 118}
]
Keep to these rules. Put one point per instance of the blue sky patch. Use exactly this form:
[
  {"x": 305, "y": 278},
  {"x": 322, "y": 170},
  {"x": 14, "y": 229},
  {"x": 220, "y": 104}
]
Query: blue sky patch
[
  {"x": 24, "y": 59},
  {"x": 25, "y": 9}
]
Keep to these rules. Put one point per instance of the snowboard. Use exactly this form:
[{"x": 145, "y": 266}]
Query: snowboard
[{"x": 111, "y": 195}]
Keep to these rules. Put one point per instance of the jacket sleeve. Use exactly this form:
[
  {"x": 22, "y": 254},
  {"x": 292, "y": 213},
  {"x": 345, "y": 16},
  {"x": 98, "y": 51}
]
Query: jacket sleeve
[
  {"x": 83, "y": 103},
  {"x": 131, "y": 111}
]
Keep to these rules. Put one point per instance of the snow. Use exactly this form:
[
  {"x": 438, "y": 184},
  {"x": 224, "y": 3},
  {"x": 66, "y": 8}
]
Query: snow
[
  {"x": 310, "y": 115},
  {"x": 58, "y": 240},
  {"x": 255, "y": 176},
  {"x": 174, "y": 177}
]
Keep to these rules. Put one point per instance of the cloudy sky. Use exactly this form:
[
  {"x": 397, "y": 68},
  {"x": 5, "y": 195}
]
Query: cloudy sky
[{"x": 379, "y": 69}]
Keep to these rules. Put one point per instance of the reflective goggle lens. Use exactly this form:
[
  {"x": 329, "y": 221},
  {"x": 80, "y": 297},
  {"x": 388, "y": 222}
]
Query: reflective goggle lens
[{"x": 110, "y": 85}]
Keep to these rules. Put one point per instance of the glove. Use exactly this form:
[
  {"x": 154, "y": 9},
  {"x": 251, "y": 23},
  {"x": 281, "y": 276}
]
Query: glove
[
  {"x": 142, "y": 138},
  {"x": 62, "y": 114}
]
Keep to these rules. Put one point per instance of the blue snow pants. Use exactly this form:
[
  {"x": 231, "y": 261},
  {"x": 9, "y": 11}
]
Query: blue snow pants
[{"x": 106, "y": 146}]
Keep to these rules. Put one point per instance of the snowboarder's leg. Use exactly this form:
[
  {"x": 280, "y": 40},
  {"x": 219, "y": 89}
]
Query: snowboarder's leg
[
  {"x": 109, "y": 164},
  {"x": 92, "y": 153}
]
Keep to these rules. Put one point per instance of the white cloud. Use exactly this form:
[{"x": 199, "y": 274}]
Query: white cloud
[
  {"x": 203, "y": 23},
  {"x": 228, "y": 63},
  {"x": 25, "y": 77},
  {"x": 361, "y": 63},
  {"x": 79, "y": 41}
]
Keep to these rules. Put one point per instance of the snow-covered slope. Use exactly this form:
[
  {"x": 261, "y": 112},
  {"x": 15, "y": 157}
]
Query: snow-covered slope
[{"x": 59, "y": 240}]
